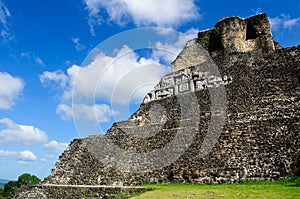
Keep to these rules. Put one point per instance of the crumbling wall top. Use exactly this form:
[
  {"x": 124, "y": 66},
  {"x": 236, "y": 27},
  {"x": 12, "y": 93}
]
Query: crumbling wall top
[
  {"x": 230, "y": 35},
  {"x": 235, "y": 34}
]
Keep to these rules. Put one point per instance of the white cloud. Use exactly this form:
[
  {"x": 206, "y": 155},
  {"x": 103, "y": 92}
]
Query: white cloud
[
  {"x": 26, "y": 156},
  {"x": 25, "y": 54},
  {"x": 78, "y": 45},
  {"x": 257, "y": 11},
  {"x": 93, "y": 6},
  {"x": 168, "y": 52},
  {"x": 283, "y": 22},
  {"x": 114, "y": 81},
  {"x": 64, "y": 111},
  {"x": 21, "y": 162},
  {"x": 55, "y": 147},
  {"x": 101, "y": 112},
  {"x": 163, "y": 13},
  {"x": 50, "y": 156},
  {"x": 44, "y": 160},
  {"x": 10, "y": 88},
  {"x": 12, "y": 132},
  {"x": 109, "y": 78},
  {"x": 58, "y": 77},
  {"x": 4, "y": 15},
  {"x": 32, "y": 56},
  {"x": 117, "y": 76},
  {"x": 21, "y": 156},
  {"x": 39, "y": 61},
  {"x": 63, "y": 81}
]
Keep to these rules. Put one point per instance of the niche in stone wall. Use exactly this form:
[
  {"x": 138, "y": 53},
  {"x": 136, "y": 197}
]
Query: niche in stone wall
[
  {"x": 251, "y": 31},
  {"x": 215, "y": 40}
]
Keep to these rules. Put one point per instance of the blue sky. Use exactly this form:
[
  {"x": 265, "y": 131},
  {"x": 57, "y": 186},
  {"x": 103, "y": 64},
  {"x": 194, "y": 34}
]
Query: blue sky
[{"x": 48, "y": 48}]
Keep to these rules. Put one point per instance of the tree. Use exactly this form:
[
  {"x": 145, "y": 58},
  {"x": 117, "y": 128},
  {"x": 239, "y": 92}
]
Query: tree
[
  {"x": 27, "y": 179},
  {"x": 10, "y": 188}
]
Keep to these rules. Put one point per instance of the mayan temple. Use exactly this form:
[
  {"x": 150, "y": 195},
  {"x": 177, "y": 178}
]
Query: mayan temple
[{"x": 237, "y": 120}]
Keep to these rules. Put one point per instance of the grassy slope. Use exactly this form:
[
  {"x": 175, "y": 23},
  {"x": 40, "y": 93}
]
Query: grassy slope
[{"x": 287, "y": 189}]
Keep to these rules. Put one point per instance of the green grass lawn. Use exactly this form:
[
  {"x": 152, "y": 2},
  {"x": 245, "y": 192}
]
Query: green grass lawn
[{"x": 285, "y": 189}]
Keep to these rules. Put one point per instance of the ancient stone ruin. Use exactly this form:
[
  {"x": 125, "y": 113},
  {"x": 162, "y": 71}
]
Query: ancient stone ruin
[
  {"x": 186, "y": 80},
  {"x": 259, "y": 137},
  {"x": 230, "y": 35}
]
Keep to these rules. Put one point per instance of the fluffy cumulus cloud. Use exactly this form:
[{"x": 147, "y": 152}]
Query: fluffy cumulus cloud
[
  {"x": 116, "y": 79},
  {"x": 9, "y": 90},
  {"x": 99, "y": 89},
  {"x": 163, "y": 13},
  {"x": 22, "y": 156},
  {"x": 283, "y": 22},
  {"x": 4, "y": 26},
  {"x": 24, "y": 134},
  {"x": 55, "y": 147}
]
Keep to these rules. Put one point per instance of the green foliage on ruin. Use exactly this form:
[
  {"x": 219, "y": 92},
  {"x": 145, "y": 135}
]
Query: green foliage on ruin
[
  {"x": 203, "y": 40},
  {"x": 216, "y": 31},
  {"x": 204, "y": 37}
]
